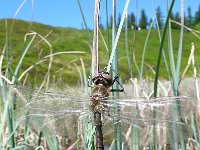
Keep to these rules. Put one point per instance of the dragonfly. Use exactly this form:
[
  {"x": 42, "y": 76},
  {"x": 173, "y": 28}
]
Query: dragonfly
[{"x": 58, "y": 113}]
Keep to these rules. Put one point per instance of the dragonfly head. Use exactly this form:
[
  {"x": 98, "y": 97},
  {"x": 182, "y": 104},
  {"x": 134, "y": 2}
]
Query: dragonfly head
[{"x": 102, "y": 78}]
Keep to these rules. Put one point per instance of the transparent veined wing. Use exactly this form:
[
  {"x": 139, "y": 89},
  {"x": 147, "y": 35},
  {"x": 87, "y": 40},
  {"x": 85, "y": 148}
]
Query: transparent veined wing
[
  {"x": 153, "y": 119},
  {"x": 134, "y": 110},
  {"x": 52, "y": 112},
  {"x": 58, "y": 114}
]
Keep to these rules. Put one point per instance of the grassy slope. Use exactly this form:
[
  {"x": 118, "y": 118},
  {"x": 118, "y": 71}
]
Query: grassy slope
[{"x": 68, "y": 39}]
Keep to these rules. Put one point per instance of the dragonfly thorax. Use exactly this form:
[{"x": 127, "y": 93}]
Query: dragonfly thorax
[
  {"x": 102, "y": 81},
  {"x": 99, "y": 93},
  {"x": 102, "y": 78}
]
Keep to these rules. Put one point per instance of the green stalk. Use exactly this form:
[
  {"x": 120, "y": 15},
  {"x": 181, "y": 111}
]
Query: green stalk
[
  {"x": 51, "y": 141},
  {"x": 171, "y": 55},
  {"x": 195, "y": 129},
  {"x": 135, "y": 130},
  {"x": 158, "y": 64},
  {"x": 39, "y": 139},
  {"x": 135, "y": 134},
  {"x": 178, "y": 65},
  {"x": 85, "y": 24},
  {"x": 144, "y": 51},
  {"x": 126, "y": 44},
  {"x": 10, "y": 136},
  {"x": 176, "y": 81},
  {"x": 10, "y": 122},
  {"x": 10, "y": 127},
  {"x": 159, "y": 35},
  {"x": 21, "y": 59},
  {"x": 88, "y": 31},
  {"x": 89, "y": 128},
  {"x": 117, "y": 124},
  {"x": 88, "y": 136},
  {"x": 161, "y": 48},
  {"x": 114, "y": 45},
  {"x": 135, "y": 63},
  {"x": 107, "y": 26},
  {"x": 78, "y": 146}
]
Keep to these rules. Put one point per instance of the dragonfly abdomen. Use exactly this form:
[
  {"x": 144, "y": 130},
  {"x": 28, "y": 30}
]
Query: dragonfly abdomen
[{"x": 99, "y": 134}]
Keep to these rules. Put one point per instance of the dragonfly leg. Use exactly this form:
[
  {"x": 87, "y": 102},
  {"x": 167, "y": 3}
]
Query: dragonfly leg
[
  {"x": 116, "y": 79},
  {"x": 89, "y": 80}
]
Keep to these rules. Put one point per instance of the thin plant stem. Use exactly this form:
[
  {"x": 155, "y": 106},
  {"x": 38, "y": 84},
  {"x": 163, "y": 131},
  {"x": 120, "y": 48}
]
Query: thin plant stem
[
  {"x": 95, "y": 38},
  {"x": 107, "y": 26},
  {"x": 126, "y": 44},
  {"x": 85, "y": 24}
]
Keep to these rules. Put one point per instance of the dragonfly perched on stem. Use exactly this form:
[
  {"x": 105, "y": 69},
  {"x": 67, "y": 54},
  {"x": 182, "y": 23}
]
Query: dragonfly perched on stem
[{"x": 57, "y": 113}]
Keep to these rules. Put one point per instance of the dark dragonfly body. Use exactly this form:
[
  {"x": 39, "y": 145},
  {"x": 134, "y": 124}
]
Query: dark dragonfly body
[{"x": 100, "y": 92}]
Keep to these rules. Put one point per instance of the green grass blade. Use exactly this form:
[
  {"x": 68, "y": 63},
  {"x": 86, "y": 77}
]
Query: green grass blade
[
  {"x": 178, "y": 65},
  {"x": 22, "y": 58},
  {"x": 144, "y": 50},
  {"x": 11, "y": 135},
  {"x": 117, "y": 124},
  {"x": 117, "y": 36},
  {"x": 107, "y": 27},
  {"x": 126, "y": 45},
  {"x": 171, "y": 54},
  {"x": 85, "y": 23},
  {"x": 51, "y": 141},
  {"x": 176, "y": 79},
  {"x": 159, "y": 35},
  {"x": 161, "y": 48}
]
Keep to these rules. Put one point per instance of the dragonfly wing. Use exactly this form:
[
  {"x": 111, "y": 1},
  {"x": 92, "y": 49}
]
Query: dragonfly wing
[
  {"x": 149, "y": 135},
  {"x": 53, "y": 112},
  {"x": 63, "y": 125},
  {"x": 152, "y": 117},
  {"x": 161, "y": 110},
  {"x": 144, "y": 134}
]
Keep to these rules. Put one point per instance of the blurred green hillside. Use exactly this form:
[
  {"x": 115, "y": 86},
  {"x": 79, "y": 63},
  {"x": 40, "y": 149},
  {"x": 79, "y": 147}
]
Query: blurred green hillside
[{"x": 67, "y": 67}]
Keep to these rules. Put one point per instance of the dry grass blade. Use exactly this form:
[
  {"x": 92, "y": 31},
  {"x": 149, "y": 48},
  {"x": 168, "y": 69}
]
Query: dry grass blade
[
  {"x": 95, "y": 38},
  {"x": 194, "y": 32},
  {"x": 192, "y": 59}
]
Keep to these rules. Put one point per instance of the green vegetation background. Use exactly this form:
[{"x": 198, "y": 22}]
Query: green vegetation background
[{"x": 69, "y": 39}]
